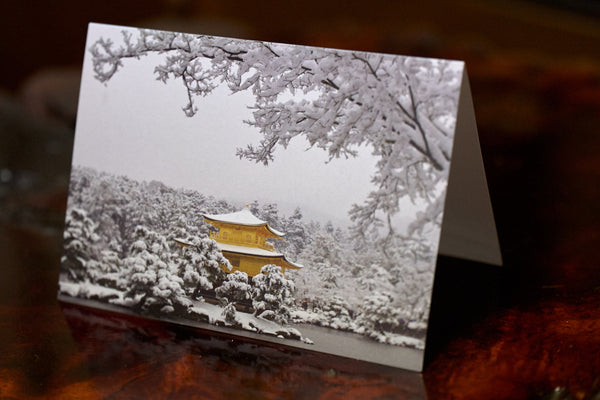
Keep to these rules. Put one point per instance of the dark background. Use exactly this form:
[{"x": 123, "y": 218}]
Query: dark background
[{"x": 519, "y": 331}]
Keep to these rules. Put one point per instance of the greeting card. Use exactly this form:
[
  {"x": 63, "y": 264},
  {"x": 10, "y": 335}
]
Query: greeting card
[{"x": 292, "y": 194}]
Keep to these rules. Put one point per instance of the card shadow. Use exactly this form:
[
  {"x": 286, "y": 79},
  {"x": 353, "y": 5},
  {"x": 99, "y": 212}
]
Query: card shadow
[{"x": 464, "y": 292}]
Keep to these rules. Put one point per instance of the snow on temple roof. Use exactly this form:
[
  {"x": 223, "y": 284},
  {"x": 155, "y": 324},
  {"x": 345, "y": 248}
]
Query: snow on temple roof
[
  {"x": 253, "y": 251},
  {"x": 242, "y": 217}
]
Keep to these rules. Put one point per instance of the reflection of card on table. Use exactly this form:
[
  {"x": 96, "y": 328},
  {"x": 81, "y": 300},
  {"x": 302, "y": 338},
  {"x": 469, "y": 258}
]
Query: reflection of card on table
[{"x": 291, "y": 194}]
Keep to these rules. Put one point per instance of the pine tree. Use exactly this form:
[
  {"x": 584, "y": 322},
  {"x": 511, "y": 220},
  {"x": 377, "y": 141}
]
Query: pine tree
[
  {"x": 255, "y": 208},
  {"x": 200, "y": 267},
  {"x": 327, "y": 268},
  {"x": 79, "y": 256},
  {"x": 109, "y": 270},
  {"x": 151, "y": 284},
  {"x": 377, "y": 317},
  {"x": 295, "y": 234},
  {"x": 273, "y": 294},
  {"x": 235, "y": 288},
  {"x": 338, "y": 313}
]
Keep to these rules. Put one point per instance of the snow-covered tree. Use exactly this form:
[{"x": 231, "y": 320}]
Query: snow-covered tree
[
  {"x": 373, "y": 276},
  {"x": 296, "y": 237},
  {"x": 108, "y": 270},
  {"x": 324, "y": 249},
  {"x": 338, "y": 313},
  {"x": 273, "y": 294},
  {"x": 180, "y": 229},
  {"x": 327, "y": 266},
  {"x": 403, "y": 108},
  {"x": 254, "y": 208},
  {"x": 199, "y": 266},
  {"x": 79, "y": 257},
  {"x": 235, "y": 288},
  {"x": 378, "y": 316},
  {"x": 270, "y": 213},
  {"x": 151, "y": 284},
  {"x": 407, "y": 266}
]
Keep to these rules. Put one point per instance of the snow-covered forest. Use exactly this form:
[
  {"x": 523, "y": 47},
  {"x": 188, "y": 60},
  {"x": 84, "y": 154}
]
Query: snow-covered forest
[{"x": 120, "y": 248}]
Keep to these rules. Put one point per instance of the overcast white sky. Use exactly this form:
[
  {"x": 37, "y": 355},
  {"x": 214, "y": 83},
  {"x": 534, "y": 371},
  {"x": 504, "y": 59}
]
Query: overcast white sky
[{"x": 134, "y": 125}]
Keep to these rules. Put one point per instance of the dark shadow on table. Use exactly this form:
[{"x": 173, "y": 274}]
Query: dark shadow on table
[{"x": 463, "y": 293}]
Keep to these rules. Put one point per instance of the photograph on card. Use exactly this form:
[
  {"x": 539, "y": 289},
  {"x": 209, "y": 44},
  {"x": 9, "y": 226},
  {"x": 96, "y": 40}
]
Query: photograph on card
[{"x": 285, "y": 193}]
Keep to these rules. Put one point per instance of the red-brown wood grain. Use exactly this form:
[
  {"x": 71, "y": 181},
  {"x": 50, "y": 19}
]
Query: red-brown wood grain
[{"x": 524, "y": 352}]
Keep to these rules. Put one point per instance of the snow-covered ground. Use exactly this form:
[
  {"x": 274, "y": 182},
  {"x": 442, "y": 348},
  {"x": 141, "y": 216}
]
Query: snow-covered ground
[
  {"x": 246, "y": 321},
  {"x": 212, "y": 312},
  {"x": 348, "y": 325},
  {"x": 88, "y": 291}
]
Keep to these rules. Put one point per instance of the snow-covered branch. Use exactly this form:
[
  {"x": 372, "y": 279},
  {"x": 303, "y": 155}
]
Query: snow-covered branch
[{"x": 402, "y": 108}]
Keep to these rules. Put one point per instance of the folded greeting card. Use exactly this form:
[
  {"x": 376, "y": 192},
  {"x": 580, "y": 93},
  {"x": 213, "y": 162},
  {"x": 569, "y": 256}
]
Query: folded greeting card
[{"x": 291, "y": 194}]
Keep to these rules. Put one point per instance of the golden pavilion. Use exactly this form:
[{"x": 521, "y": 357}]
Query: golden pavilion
[{"x": 242, "y": 238}]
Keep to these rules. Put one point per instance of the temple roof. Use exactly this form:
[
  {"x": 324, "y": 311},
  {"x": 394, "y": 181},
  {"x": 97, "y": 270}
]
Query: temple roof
[
  {"x": 253, "y": 251},
  {"x": 242, "y": 217}
]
